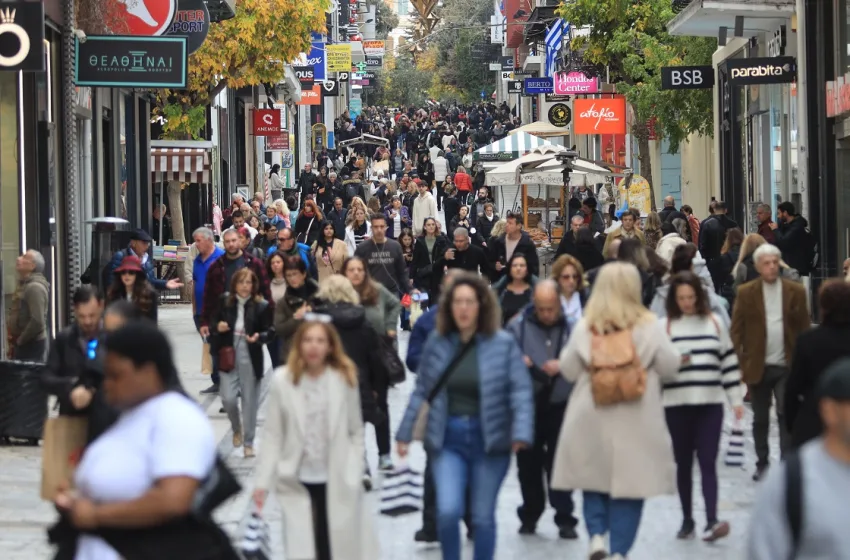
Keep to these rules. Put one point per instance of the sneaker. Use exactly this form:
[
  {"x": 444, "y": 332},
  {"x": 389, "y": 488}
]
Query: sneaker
[
  {"x": 761, "y": 470},
  {"x": 598, "y": 550},
  {"x": 367, "y": 482},
  {"x": 211, "y": 390},
  {"x": 715, "y": 531},
  {"x": 687, "y": 530},
  {"x": 424, "y": 536},
  {"x": 385, "y": 463},
  {"x": 527, "y": 529},
  {"x": 237, "y": 439},
  {"x": 567, "y": 532},
  {"x": 249, "y": 451}
]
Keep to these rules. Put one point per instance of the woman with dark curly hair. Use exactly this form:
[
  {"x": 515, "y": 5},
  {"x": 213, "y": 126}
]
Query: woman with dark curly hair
[
  {"x": 132, "y": 285},
  {"x": 481, "y": 411}
]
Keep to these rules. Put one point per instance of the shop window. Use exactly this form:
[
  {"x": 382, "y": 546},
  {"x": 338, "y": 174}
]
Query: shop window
[{"x": 10, "y": 236}]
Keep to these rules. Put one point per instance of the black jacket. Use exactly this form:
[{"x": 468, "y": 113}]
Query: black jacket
[
  {"x": 426, "y": 276},
  {"x": 525, "y": 246},
  {"x": 567, "y": 245},
  {"x": 589, "y": 256},
  {"x": 669, "y": 213},
  {"x": 258, "y": 319},
  {"x": 471, "y": 260},
  {"x": 712, "y": 235},
  {"x": 793, "y": 240},
  {"x": 338, "y": 220},
  {"x": 815, "y": 351},
  {"x": 485, "y": 226},
  {"x": 68, "y": 366},
  {"x": 360, "y": 342}
]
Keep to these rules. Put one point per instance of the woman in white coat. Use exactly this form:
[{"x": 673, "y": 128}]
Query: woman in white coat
[{"x": 312, "y": 453}]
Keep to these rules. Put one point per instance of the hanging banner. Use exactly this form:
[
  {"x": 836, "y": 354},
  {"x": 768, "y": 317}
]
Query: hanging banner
[
  {"x": 338, "y": 57},
  {"x": 374, "y": 48}
]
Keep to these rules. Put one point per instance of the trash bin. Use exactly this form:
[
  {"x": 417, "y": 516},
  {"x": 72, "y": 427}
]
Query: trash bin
[
  {"x": 23, "y": 402},
  {"x": 109, "y": 235}
]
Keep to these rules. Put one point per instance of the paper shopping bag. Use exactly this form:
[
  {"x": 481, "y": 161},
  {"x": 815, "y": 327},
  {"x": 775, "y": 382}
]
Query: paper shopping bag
[
  {"x": 206, "y": 360},
  {"x": 402, "y": 492},
  {"x": 64, "y": 441}
]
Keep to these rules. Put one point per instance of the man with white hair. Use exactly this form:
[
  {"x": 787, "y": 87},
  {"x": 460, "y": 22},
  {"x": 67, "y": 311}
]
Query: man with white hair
[
  {"x": 769, "y": 313},
  {"x": 27, "y": 323}
]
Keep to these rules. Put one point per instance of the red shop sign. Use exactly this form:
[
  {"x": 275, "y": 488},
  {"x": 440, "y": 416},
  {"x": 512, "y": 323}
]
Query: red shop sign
[
  {"x": 277, "y": 143},
  {"x": 141, "y": 17},
  {"x": 266, "y": 122}
]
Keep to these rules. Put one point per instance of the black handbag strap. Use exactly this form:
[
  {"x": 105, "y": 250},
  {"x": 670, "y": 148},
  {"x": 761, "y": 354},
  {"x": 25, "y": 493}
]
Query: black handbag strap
[{"x": 441, "y": 382}]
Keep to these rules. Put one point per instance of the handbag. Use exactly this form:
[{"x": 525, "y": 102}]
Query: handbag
[
  {"x": 64, "y": 440},
  {"x": 421, "y": 425},
  {"x": 218, "y": 487},
  {"x": 396, "y": 372},
  {"x": 226, "y": 359},
  {"x": 256, "y": 539}
]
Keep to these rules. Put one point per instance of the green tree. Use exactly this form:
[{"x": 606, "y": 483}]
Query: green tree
[
  {"x": 386, "y": 19},
  {"x": 400, "y": 83},
  {"x": 630, "y": 38}
]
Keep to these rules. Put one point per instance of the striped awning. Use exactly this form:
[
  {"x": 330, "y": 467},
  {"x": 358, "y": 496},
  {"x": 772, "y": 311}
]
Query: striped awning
[
  {"x": 509, "y": 148},
  {"x": 189, "y": 165}
]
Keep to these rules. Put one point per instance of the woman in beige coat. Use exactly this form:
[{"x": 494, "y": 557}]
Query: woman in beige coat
[
  {"x": 312, "y": 451},
  {"x": 329, "y": 251},
  {"x": 619, "y": 454}
]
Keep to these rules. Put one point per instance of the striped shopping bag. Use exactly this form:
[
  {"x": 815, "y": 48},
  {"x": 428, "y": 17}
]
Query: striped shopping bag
[
  {"x": 256, "y": 540},
  {"x": 734, "y": 455},
  {"x": 401, "y": 492}
]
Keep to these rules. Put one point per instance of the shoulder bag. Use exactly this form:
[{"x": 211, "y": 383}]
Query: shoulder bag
[{"x": 421, "y": 425}]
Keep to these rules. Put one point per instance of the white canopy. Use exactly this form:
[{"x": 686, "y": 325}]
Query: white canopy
[
  {"x": 540, "y": 167},
  {"x": 542, "y": 129}
]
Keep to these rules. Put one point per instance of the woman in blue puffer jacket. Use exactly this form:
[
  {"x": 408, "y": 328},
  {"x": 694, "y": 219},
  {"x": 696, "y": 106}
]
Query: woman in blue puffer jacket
[{"x": 481, "y": 411}]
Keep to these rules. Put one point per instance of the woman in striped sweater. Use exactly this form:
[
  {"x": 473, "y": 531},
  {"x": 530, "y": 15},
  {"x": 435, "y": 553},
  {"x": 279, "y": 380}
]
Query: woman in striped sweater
[{"x": 708, "y": 376}]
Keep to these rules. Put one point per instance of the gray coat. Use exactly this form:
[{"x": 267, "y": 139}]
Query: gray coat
[
  {"x": 542, "y": 343},
  {"x": 507, "y": 396}
]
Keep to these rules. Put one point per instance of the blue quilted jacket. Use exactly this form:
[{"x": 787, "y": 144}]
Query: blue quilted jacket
[{"x": 507, "y": 396}]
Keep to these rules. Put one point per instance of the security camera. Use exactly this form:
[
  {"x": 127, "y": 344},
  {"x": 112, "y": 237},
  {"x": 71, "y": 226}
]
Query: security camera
[{"x": 80, "y": 35}]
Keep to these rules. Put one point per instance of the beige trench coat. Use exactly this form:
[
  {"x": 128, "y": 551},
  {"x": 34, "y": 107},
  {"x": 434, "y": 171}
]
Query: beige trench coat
[
  {"x": 625, "y": 449},
  {"x": 349, "y": 521}
]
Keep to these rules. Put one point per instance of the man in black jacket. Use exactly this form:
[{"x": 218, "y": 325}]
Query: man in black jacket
[
  {"x": 712, "y": 235},
  {"x": 793, "y": 238},
  {"x": 567, "y": 246},
  {"x": 513, "y": 241},
  {"x": 73, "y": 372},
  {"x": 669, "y": 213},
  {"x": 464, "y": 255}
]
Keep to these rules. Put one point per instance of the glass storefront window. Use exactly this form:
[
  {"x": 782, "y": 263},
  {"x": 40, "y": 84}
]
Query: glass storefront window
[
  {"x": 10, "y": 237},
  {"x": 122, "y": 120}
]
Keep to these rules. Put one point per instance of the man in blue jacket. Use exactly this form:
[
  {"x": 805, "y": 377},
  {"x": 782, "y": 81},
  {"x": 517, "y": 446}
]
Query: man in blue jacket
[
  {"x": 542, "y": 331},
  {"x": 287, "y": 245},
  {"x": 424, "y": 326},
  {"x": 140, "y": 242}
]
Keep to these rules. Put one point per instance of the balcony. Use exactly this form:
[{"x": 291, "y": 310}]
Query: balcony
[{"x": 704, "y": 18}]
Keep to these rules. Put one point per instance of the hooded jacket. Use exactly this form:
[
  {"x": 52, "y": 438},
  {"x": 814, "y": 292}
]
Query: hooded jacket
[{"x": 28, "y": 319}]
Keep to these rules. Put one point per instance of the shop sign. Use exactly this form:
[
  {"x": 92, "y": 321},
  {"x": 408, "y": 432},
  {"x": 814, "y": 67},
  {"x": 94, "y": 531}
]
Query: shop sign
[
  {"x": 838, "y": 96},
  {"x": 575, "y": 82},
  {"x": 507, "y": 75},
  {"x": 25, "y": 22},
  {"x": 374, "y": 62},
  {"x": 338, "y": 57},
  {"x": 600, "y": 116},
  {"x": 753, "y": 71},
  {"x": 311, "y": 96},
  {"x": 330, "y": 88},
  {"x": 776, "y": 44},
  {"x": 316, "y": 59},
  {"x": 305, "y": 74},
  {"x": 555, "y": 98},
  {"x": 123, "y": 61},
  {"x": 515, "y": 87},
  {"x": 267, "y": 122},
  {"x": 374, "y": 48},
  {"x": 507, "y": 63},
  {"x": 560, "y": 115},
  {"x": 367, "y": 75},
  {"x": 536, "y": 86},
  {"x": 343, "y": 76},
  {"x": 142, "y": 17},
  {"x": 687, "y": 77},
  {"x": 278, "y": 143},
  {"x": 191, "y": 20}
]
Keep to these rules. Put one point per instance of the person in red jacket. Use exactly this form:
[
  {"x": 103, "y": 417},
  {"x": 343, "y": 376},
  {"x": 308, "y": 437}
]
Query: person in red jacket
[{"x": 463, "y": 182}]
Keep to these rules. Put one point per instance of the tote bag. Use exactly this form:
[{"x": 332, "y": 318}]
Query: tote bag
[{"x": 64, "y": 441}]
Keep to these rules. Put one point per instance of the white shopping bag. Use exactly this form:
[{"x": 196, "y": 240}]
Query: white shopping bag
[{"x": 256, "y": 540}]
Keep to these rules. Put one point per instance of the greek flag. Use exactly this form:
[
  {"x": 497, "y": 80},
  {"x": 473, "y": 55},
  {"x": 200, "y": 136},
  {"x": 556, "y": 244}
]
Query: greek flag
[{"x": 554, "y": 36}]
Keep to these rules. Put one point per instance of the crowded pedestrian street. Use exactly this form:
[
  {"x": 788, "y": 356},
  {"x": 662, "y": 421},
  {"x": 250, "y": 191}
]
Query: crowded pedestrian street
[{"x": 24, "y": 518}]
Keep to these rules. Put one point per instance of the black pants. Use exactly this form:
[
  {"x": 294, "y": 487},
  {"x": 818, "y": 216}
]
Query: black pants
[
  {"x": 772, "y": 385},
  {"x": 441, "y": 194},
  {"x": 382, "y": 430},
  {"x": 429, "y": 503},
  {"x": 535, "y": 470},
  {"x": 319, "y": 499}
]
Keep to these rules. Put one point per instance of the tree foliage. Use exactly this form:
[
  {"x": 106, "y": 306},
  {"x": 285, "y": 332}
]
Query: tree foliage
[
  {"x": 401, "y": 83},
  {"x": 630, "y": 38},
  {"x": 385, "y": 19},
  {"x": 250, "y": 49}
]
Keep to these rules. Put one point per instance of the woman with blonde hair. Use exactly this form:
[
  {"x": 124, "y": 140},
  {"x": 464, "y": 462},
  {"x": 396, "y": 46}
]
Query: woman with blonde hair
[
  {"x": 652, "y": 230},
  {"x": 745, "y": 268},
  {"x": 356, "y": 203},
  {"x": 282, "y": 211},
  {"x": 635, "y": 462},
  {"x": 358, "y": 229},
  {"x": 313, "y": 448}
]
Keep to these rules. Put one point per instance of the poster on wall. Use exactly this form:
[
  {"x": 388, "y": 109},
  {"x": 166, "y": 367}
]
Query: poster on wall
[{"x": 638, "y": 194}]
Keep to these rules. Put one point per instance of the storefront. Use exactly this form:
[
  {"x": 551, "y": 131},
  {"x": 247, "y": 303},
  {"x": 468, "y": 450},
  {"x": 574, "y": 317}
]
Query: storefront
[
  {"x": 758, "y": 124},
  {"x": 31, "y": 161}
]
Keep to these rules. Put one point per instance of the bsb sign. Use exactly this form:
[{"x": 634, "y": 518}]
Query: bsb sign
[
  {"x": 687, "y": 77},
  {"x": 752, "y": 71},
  {"x": 123, "y": 61}
]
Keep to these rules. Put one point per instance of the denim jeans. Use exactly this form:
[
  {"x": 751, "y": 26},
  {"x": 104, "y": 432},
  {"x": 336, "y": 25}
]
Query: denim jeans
[
  {"x": 619, "y": 517},
  {"x": 463, "y": 461},
  {"x": 214, "y": 377}
]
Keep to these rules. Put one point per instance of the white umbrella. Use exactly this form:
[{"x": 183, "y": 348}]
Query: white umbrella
[{"x": 508, "y": 173}]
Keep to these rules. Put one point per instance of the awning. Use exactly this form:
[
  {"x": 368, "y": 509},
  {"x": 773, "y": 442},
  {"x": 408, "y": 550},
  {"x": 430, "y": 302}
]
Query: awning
[
  {"x": 509, "y": 148},
  {"x": 189, "y": 165},
  {"x": 542, "y": 129}
]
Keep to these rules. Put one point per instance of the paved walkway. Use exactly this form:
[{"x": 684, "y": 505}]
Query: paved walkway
[{"x": 23, "y": 517}]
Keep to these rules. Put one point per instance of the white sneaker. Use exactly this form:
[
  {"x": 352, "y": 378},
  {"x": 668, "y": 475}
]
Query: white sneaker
[
  {"x": 598, "y": 550},
  {"x": 385, "y": 463}
]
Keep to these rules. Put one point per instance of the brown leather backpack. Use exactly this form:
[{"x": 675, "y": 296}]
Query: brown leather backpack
[{"x": 616, "y": 374}]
